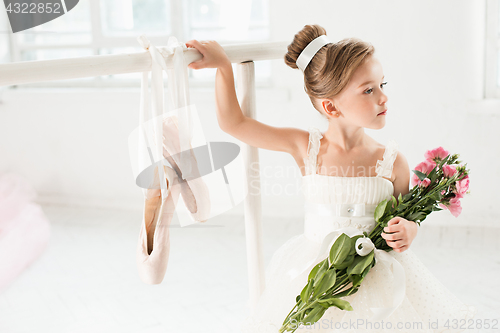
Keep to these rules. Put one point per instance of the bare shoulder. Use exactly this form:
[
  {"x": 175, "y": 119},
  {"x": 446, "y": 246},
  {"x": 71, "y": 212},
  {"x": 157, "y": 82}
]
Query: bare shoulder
[
  {"x": 401, "y": 167},
  {"x": 302, "y": 142},
  {"x": 401, "y": 174}
]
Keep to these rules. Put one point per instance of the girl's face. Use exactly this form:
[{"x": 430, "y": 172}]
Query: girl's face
[{"x": 363, "y": 101}]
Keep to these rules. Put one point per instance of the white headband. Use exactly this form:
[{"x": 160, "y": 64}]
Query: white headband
[{"x": 310, "y": 51}]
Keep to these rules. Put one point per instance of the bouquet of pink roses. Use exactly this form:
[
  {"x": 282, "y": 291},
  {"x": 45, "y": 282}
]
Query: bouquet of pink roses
[{"x": 439, "y": 182}]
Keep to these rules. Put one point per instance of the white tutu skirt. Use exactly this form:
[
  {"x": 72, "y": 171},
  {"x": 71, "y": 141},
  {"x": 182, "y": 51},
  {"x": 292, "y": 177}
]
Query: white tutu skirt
[
  {"x": 24, "y": 228},
  {"x": 428, "y": 306}
]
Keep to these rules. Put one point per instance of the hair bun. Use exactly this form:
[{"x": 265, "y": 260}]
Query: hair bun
[{"x": 300, "y": 41}]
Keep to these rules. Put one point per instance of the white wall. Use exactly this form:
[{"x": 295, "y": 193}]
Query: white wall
[{"x": 73, "y": 144}]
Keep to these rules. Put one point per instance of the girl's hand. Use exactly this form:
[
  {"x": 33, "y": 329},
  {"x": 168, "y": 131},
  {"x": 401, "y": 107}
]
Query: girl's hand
[
  {"x": 214, "y": 55},
  {"x": 403, "y": 232}
]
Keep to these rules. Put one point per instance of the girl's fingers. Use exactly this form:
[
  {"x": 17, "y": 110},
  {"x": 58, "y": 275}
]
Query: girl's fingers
[
  {"x": 197, "y": 45},
  {"x": 194, "y": 43},
  {"x": 394, "y": 236},
  {"x": 397, "y": 244},
  {"x": 196, "y": 64},
  {"x": 401, "y": 249},
  {"x": 392, "y": 225},
  {"x": 393, "y": 228},
  {"x": 201, "y": 48},
  {"x": 394, "y": 220}
]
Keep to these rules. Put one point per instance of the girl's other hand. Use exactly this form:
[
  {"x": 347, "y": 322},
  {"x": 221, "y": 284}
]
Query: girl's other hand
[
  {"x": 402, "y": 233},
  {"x": 214, "y": 55}
]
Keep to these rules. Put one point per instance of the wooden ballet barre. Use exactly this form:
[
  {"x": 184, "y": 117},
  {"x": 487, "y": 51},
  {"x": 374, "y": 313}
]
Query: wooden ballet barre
[
  {"x": 73, "y": 68},
  {"x": 242, "y": 54}
]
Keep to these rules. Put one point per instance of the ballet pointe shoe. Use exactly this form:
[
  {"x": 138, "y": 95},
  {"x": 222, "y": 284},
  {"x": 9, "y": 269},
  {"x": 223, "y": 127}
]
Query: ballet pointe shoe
[
  {"x": 153, "y": 247},
  {"x": 194, "y": 191}
]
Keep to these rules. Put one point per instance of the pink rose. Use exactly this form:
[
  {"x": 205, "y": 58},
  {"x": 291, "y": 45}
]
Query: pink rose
[
  {"x": 424, "y": 167},
  {"x": 462, "y": 187},
  {"x": 425, "y": 182},
  {"x": 436, "y": 154},
  {"x": 449, "y": 170},
  {"x": 453, "y": 206}
]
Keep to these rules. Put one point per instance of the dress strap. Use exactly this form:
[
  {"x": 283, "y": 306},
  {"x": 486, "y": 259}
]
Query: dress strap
[
  {"x": 384, "y": 167},
  {"x": 311, "y": 162}
]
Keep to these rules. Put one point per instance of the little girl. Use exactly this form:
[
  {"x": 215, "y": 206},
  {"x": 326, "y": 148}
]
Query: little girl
[{"x": 345, "y": 83}]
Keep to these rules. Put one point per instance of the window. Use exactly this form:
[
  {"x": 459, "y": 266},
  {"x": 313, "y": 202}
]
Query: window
[
  {"x": 4, "y": 39},
  {"x": 96, "y": 27},
  {"x": 492, "y": 77}
]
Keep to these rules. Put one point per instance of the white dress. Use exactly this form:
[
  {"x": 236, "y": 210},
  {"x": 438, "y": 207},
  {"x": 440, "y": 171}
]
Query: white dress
[{"x": 427, "y": 303}]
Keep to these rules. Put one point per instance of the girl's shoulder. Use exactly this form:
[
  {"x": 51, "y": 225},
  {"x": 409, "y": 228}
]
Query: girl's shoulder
[
  {"x": 391, "y": 159},
  {"x": 301, "y": 153},
  {"x": 400, "y": 168},
  {"x": 303, "y": 142}
]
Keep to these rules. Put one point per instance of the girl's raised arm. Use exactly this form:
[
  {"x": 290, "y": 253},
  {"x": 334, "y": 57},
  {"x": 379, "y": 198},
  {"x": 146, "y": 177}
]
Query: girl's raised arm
[{"x": 229, "y": 115}]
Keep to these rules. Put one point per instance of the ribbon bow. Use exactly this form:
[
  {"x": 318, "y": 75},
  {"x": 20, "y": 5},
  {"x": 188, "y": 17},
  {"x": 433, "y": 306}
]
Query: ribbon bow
[
  {"x": 367, "y": 246},
  {"x": 179, "y": 93},
  {"x": 380, "y": 256}
]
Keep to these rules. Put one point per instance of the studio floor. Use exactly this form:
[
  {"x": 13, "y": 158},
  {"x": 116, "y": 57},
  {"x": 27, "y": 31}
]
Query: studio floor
[{"x": 87, "y": 281}]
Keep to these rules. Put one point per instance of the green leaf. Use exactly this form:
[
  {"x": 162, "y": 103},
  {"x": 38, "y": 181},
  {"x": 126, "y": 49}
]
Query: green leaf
[
  {"x": 435, "y": 196},
  {"x": 443, "y": 161},
  {"x": 400, "y": 199},
  {"x": 321, "y": 272},
  {"x": 379, "y": 211},
  {"x": 421, "y": 216},
  {"x": 323, "y": 301},
  {"x": 315, "y": 270},
  {"x": 356, "y": 280},
  {"x": 433, "y": 174},
  {"x": 348, "y": 261},
  {"x": 340, "y": 249},
  {"x": 314, "y": 315},
  {"x": 341, "y": 304},
  {"x": 388, "y": 209},
  {"x": 326, "y": 283},
  {"x": 306, "y": 291},
  {"x": 367, "y": 269},
  {"x": 401, "y": 207},
  {"x": 325, "y": 305},
  {"x": 408, "y": 196},
  {"x": 394, "y": 202},
  {"x": 337, "y": 302},
  {"x": 436, "y": 208},
  {"x": 360, "y": 263},
  {"x": 419, "y": 174},
  {"x": 387, "y": 219},
  {"x": 427, "y": 210},
  {"x": 416, "y": 216}
]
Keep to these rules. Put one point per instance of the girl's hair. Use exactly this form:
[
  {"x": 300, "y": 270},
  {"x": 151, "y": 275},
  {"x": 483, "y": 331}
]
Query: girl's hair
[{"x": 333, "y": 65}]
